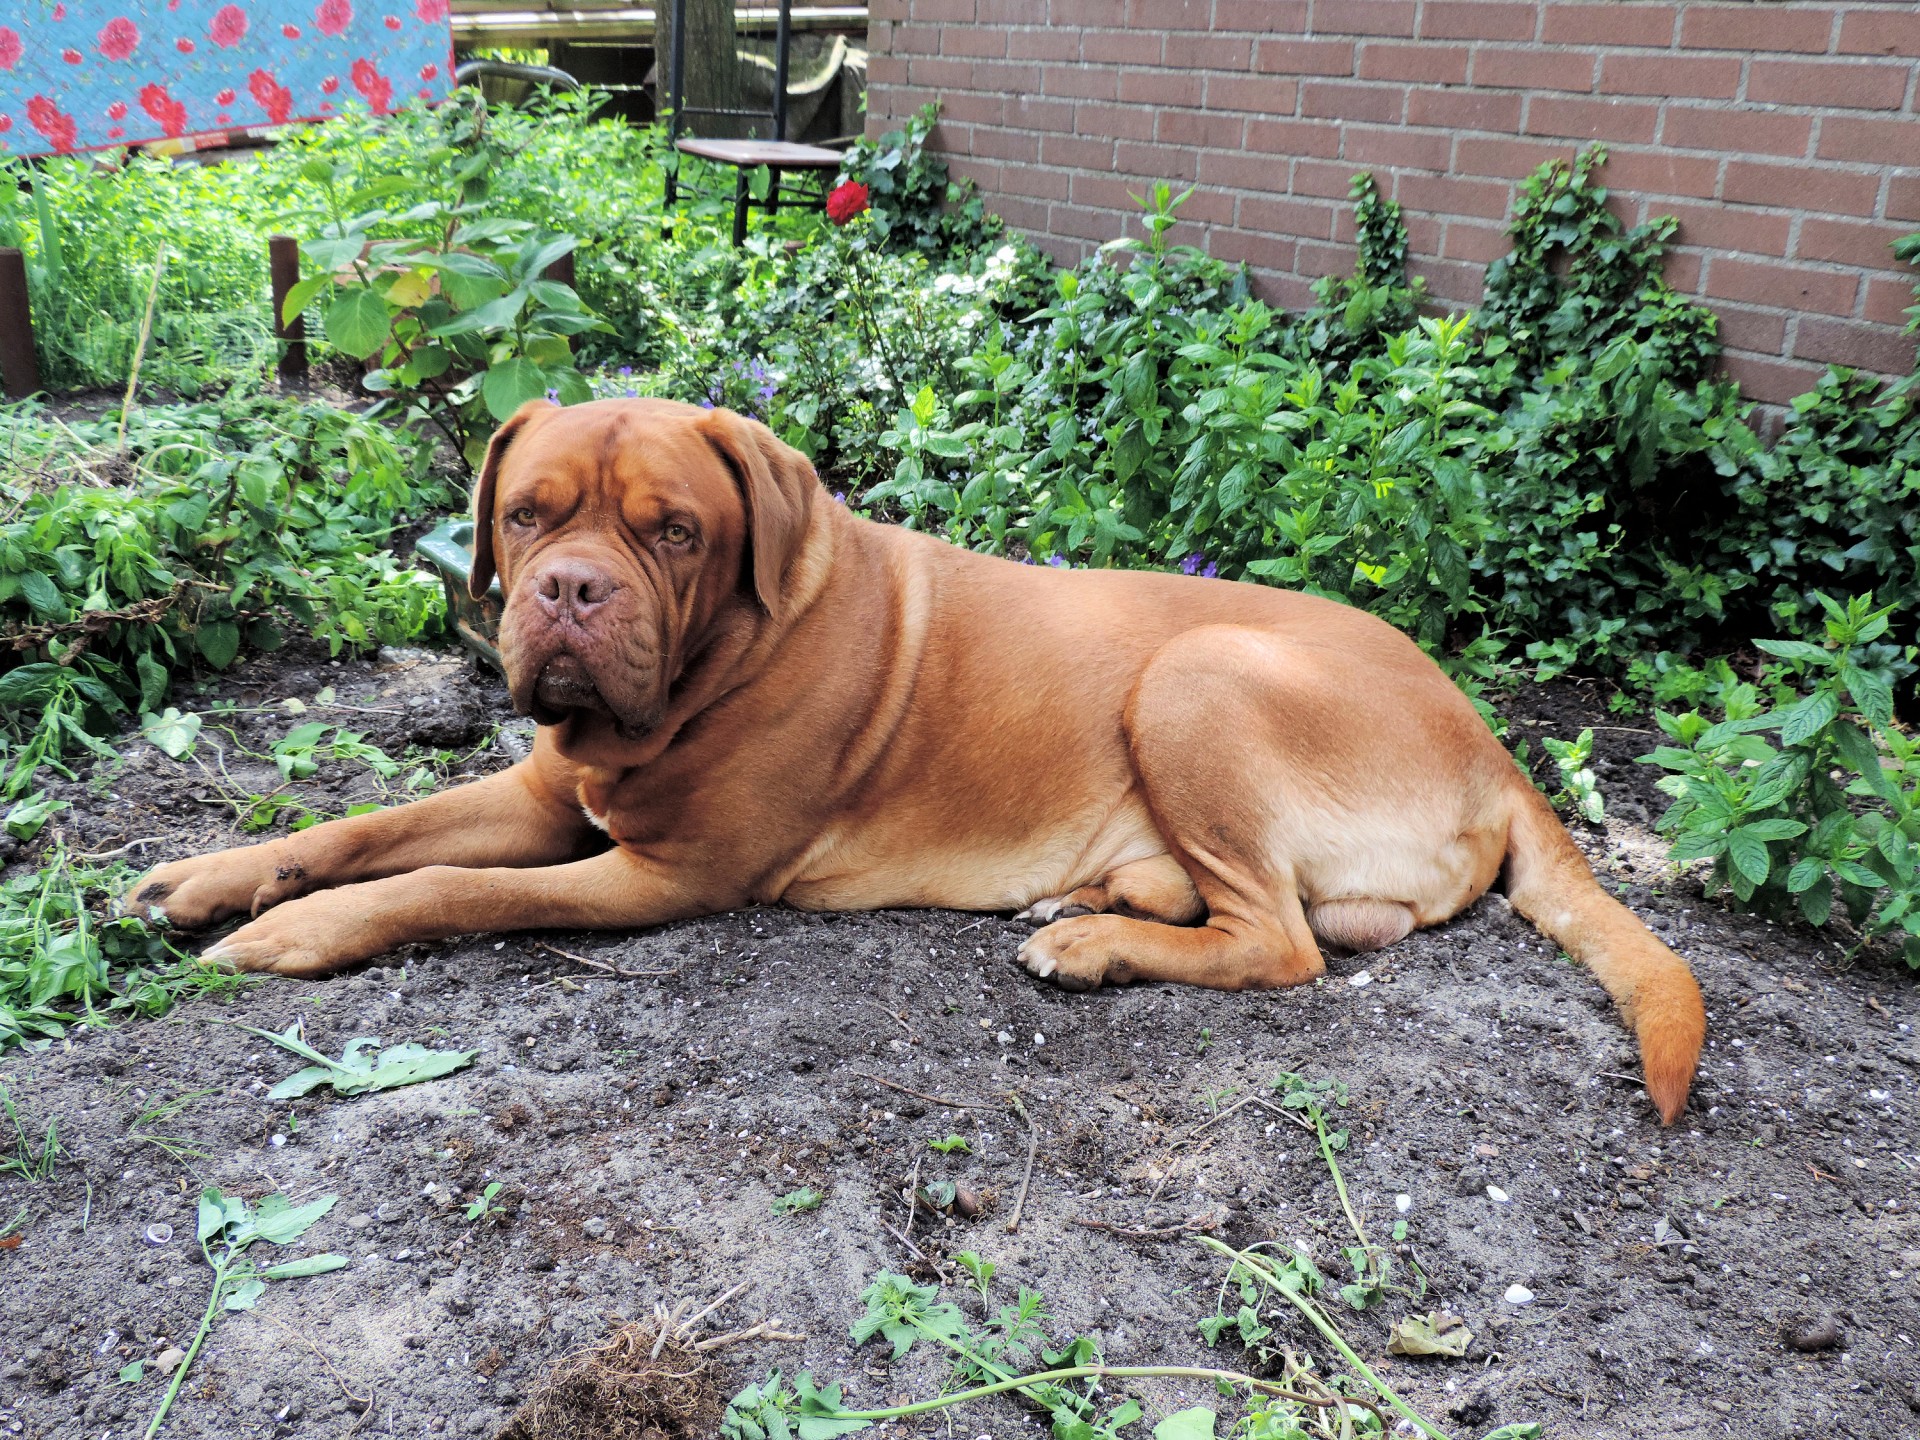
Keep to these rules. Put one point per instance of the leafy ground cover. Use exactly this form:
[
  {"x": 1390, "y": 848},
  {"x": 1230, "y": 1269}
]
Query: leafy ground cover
[{"x": 1554, "y": 484}]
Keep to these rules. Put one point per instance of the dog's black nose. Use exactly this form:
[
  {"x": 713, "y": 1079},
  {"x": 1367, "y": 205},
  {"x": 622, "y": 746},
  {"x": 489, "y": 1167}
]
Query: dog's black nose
[{"x": 574, "y": 589}]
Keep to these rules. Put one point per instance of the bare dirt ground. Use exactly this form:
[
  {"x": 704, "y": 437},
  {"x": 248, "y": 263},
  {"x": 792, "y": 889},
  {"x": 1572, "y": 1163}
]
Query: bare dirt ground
[{"x": 641, "y": 1124}]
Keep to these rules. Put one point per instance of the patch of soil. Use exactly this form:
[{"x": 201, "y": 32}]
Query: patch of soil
[{"x": 641, "y": 1127}]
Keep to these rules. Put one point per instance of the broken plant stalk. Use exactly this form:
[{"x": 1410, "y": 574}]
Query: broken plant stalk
[
  {"x": 221, "y": 1269},
  {"x": 1256, "y": 1266},
  {"x": 1072, "y": 1372}
]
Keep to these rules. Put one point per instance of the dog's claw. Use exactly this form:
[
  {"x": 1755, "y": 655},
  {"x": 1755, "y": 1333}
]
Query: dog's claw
[{"x": 214, "y": 957}]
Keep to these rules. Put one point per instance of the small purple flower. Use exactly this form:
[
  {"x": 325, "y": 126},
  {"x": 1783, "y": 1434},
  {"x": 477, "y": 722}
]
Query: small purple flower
[
  {"x": 626, "y": 372},
  {"x": 706, "y": 404},
  {"x": 553, "y": 397},
  {"x": 841, "y": 496},
  {"x": 1191, "y": 565},
  {"x": 1212, "y": 572},
  {"x": 1056, "y": 560},
  {"x": 632, "y": 394}
]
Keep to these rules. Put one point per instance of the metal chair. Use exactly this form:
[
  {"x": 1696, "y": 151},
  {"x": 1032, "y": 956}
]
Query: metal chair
[{"x": 777, "y": 154}]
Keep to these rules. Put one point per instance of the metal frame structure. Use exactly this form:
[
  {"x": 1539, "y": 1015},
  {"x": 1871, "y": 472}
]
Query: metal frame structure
[{"x": 777, "y": 154}]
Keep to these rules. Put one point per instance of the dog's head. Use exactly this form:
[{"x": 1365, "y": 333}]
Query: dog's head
[{"x": 623, "y": 532}]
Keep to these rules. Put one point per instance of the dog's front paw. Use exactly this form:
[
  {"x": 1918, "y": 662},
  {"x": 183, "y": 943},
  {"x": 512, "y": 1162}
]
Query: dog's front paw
[
  {"x": 197, "y": 893},
  {"x": 303, "y": 938},
  {"x": 1073, "y": 954}
]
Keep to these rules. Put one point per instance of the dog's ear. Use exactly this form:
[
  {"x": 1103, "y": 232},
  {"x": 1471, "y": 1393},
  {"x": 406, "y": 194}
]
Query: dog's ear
[
  {"x": 779, "y": 487},
  {"x": 480, "y": 577}
]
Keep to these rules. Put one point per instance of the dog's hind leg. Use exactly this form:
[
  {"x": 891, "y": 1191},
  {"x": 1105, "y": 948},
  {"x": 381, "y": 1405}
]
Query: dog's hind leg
[
  {"x": 1156, "y": 888},
  {"x": 1198, "y": 726}
]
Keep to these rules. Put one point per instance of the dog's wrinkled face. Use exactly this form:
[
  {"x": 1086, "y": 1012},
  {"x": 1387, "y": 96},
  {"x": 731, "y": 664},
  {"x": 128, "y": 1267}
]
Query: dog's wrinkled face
[{"x": 620, "y": 531}]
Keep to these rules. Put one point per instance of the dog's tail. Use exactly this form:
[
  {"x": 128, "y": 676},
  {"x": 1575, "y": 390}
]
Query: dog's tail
[{"x": 1549, "y": 882}]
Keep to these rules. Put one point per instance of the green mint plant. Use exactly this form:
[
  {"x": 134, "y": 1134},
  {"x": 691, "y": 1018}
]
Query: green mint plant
[
  {"x": 1830, "y": 804},
  {"x": 1578, "y": 785}
]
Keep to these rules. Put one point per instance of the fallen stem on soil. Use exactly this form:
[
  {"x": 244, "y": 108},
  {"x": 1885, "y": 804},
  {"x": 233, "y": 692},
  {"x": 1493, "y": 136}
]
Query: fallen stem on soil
[
  {"x": 930, "y": 1099},
  {"x": 1339, "y": 1181},
  {"x": 1209, "y": 1221},
  {"x": 1076, "y": 1372},
  {"x": 1026, "y": 1179},
  {"x": 1256, "y": 1266},
  {"x": 206, "y": 1327},
  {"x": 605, "y": 966}
]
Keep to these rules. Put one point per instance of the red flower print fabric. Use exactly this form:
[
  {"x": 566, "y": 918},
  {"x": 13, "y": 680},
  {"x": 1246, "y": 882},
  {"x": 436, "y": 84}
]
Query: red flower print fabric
[
  {"x": 90, "y": 74},
  {"x": 118, "y": 38},
  {"x": 229, "y": 26}
]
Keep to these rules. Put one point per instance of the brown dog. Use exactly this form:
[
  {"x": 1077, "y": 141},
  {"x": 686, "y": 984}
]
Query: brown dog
[{"x": 760, "y": 697}]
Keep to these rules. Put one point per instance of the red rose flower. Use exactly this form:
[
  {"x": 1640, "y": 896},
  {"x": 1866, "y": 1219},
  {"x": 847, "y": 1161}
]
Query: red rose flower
[
  {"x": 118, "y": 38},
  {"x": 72, "y": 57},
  {"x": 60, "y": 11},
  {"x": 330, "y": 84},
  {"x": 292, "y": 32},
  {"x": 392, "y": 22},
  {"x": 183, "y": 45},
  {"x": 430, "y": 10},
  {"x": 53, "y": 122},
  {"x": 271, "y": 95},
  {"x": 117, "y": 110},
  {"x": 10, "y": 48},
  {"x": 229, "y": 26},
  {"x": 847, "y": 200},
  {"x": 427, "y": 72},
  {"x": 6, "y": 123},
  {"x": 333, "y": 16},
  {"x": 116, "y": 132},
  {"x": 225, "y": 97}
]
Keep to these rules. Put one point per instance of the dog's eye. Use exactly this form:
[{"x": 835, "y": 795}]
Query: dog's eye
[
  {"x": 522, "y": 516},
  {"x": 676, "y": 534}
]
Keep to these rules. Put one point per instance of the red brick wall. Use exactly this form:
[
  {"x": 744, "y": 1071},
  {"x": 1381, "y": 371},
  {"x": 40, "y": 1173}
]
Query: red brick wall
[{"x": 1783, "y": 136}]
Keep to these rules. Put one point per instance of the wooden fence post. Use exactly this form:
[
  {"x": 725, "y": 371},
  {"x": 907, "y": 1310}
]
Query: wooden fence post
[
  {"x": 18, "y": 366},
  {"x": 283, "y": 262},
  {"x": 561, "y": 271}
]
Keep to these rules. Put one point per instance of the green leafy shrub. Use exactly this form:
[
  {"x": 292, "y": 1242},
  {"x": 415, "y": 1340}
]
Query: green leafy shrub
[
  {"x": 93, "y": 237},
  {"x": 914, "y": 205},
  {"x": 1833, "y": 506},
  {"x": 1834, "y": 805},
  {"x": 454, "y": 302},
  {"x": 124, "y": 558}
]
